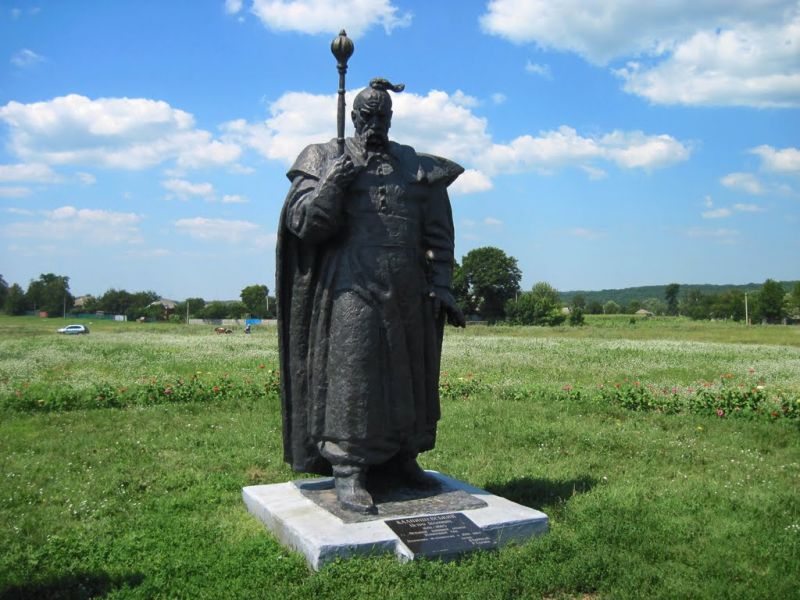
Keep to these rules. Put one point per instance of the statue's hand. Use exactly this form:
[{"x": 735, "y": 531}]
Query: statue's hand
[
  {"x": 443, "y": 300},
  {"x": 341, "y": 173}
]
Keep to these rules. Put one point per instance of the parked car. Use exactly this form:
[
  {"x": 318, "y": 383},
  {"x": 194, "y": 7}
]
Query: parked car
[{"x": 74, "y": 329}]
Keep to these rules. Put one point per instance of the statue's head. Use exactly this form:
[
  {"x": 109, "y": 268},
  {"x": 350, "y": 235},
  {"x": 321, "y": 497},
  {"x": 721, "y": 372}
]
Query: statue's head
[{"x": 372, "y": 112}]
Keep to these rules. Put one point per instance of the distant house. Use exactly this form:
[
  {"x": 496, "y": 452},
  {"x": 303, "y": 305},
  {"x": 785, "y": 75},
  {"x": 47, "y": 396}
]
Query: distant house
[
  {"x": 165, "y": 303},
  {"x": 643, "y": 312},
  {"x": 82, "y": 301}
]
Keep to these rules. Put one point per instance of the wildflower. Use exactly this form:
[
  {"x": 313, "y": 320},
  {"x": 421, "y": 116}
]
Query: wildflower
[
  {"x": 751, "y": 370},
  {"x": 567, "y": 388},
  {"x": 674, "y": 389},
  {"x": 168, "y": 390},
  {"x": 215, "y": 389},
  {"x": 261, "y": 366},
  {"x": 720, "y": 412}
]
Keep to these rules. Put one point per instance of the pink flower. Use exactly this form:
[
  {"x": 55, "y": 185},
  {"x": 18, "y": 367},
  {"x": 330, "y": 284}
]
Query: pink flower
[
  {"x": 567, "y": 388},
  {"x": 720, "y": 412}
]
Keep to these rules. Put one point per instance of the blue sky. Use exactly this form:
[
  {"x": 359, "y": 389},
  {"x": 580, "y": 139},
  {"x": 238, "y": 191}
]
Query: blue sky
[{"x": 610, "y": 143}]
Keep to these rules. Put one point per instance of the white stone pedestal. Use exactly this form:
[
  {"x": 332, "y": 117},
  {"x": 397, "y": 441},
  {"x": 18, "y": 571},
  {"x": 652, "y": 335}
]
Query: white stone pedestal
[{"x": 321, "y": 537}]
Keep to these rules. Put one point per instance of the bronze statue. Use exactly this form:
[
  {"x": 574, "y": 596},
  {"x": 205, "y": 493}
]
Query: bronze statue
[{"x": 364, "y": 262}]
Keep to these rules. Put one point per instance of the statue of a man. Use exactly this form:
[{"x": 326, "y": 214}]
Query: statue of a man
[{"x": 364, "y": 262}]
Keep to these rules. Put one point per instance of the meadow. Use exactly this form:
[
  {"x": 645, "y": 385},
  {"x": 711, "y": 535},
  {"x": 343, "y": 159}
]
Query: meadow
[{"x": 666, "y": 453}]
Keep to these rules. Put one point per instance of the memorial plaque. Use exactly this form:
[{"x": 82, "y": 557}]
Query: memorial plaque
[{"x": 441, "y": 535}]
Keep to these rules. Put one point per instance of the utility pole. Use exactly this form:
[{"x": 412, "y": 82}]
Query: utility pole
[{"x": 746, "y": 315}]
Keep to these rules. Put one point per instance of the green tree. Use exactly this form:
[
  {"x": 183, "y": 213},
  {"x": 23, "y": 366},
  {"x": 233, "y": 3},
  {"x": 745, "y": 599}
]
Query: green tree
[
  {"x": 492, "y": 279},
  {"x": 728, "y": 305},
  {"x": 655, "y": 306},
  {"x": 770, "y": 301},
  {"x": 794, "y": 300},
  {"x": 255, "y": 300},
  {"x": 594, "y": 308},
  {"x": 578, "y": 301},
  {"x": 3, "y": 291},
  {"x": 541, "y": 306},
  {"x": 460, "y": 290},
  {"x": 611, "y": 308},
  {"x": 15, "y": 300},
  {"x": 671, "y": 296},
  {"x": 49, "y": 293},
  {"x": 696, "y": 305},
  {"x": 576, "y": 317},
  {"x": 633, "y": 306}
]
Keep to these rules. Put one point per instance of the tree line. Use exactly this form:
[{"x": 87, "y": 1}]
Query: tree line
[
  {"x": 50, "y": 294},
  {"x": 486, "y": 286}
]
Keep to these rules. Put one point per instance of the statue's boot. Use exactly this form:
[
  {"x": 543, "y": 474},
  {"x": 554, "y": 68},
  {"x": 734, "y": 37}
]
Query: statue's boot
[
  {"x": 350, "y": 483},
  {"x": 414, "y": 475}
]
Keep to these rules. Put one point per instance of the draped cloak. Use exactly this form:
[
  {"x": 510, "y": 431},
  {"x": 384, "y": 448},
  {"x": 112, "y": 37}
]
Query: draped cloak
[{"x": 359, "y": 342}]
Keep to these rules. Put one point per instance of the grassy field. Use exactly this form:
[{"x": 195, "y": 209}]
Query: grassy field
[{"x": 124, "y": 453}]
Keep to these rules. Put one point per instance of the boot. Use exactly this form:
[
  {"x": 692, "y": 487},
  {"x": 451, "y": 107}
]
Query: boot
[
  {"x": 412, "y": 474},
  {"x": 350, "y": 483}
]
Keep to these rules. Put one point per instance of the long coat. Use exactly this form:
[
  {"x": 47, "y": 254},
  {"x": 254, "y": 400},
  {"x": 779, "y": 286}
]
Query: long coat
[{"x": 359, "y": 341}]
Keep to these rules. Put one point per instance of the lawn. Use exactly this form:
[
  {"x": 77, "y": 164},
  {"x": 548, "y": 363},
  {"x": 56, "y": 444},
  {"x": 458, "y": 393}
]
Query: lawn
[{"x": 141, "y": 498}]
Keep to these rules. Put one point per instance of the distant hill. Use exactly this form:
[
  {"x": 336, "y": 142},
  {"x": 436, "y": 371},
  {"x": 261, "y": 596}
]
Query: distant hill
[{"x": 624, "y": 296}]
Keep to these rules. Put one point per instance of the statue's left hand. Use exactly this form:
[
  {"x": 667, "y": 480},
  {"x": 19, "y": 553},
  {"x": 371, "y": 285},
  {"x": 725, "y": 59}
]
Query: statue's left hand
[{"x": 443, "y": 300}]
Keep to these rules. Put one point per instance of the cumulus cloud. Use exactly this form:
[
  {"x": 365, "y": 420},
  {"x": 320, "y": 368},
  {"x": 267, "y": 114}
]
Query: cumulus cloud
[
  {"x": 498, "y": 98},
  {"x": 745, "y": 182},
  {"x": 25, "y": 58},
  {"x": 741, "y": 207},
  {"x": 786, "y": 160},
  {"x": 183, "y": 190},
  {"x": 470, "y": 182},
  {"x": 95, "y": 227},
  {"x": 86, "y": 178},
  {"x": 233, "y": 6},
  {"x": 440, "y": 124},
  {"x": 492, "y": 222},
  {"x": 329, "y": 16},
  {"x": 225, "y": 231},
  {"x": 717, "y": 213},
  {"x": 706, "y": 53},
  {"x": 14, "y": 192},
  {"x": 127, "y": 133},
  {"x": 27, "y": 172},
  {"x": 234, "y": 199},
  {"x": 537, "y": 69}
]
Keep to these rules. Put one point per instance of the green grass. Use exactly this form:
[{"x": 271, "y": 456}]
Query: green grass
[{"x": 145, "y": 501}]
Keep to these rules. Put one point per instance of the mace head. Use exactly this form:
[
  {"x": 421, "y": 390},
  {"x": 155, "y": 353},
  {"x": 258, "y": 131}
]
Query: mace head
[{"x": 342, "y": 47}]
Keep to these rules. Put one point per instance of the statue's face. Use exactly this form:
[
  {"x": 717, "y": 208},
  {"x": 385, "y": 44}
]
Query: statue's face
[{"x": 372, "y": 123}]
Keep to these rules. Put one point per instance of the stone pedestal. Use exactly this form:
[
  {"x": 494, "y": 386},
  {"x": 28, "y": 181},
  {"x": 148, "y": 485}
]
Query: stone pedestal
[{"x": 449, "y": 520}]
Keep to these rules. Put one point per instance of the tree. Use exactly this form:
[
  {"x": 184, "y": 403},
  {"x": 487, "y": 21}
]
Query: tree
[
  {"x": 594, "y": 308},
  {"x": 15, "y": 301},
  {"x": 578, "y": 301},
  {"x": 671, "y": 296},
  {"x": 794, "y": 300},
  {"x": 50, "y": 293},
  {"x": 459, "y": 287},
  {"x": 633, "y": 306},
  {"x": 3, "y": 291},
  {"x": 541, "y": 306},
  {"x": 770, "y": 301},
  {"x": 576, "y": 317},
  {"x": 611, "y": 308},
  {"x": 254, "y": 298},
  {"x": 655, "y": 306},
  {"x": 696, "y": 305},
  {"x": 728, "y": 305},
  {"x": 492, "y": 279}
]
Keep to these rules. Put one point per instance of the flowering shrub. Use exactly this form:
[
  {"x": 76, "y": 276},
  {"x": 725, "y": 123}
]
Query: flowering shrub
[
  {"x": 200, "y": 387},
  {"x": 459, "y": 388}
]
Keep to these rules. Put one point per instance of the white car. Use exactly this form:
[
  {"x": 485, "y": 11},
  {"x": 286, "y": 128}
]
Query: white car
[{"x": 74, "y": 329}]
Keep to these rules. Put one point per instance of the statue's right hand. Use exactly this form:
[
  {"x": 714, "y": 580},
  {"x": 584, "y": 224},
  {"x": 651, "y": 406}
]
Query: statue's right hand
[{"x": 342, "y": 172}]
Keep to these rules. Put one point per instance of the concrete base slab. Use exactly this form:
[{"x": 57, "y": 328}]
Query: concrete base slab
[{"x": 321, "y": 536}]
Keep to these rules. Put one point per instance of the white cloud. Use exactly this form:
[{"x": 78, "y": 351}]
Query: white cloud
[
  {"x": 128, "y": 133},
  {"x": 713, "y": 52},
  {"x": 223, "y": 230},
  {"x": 498, "y": 98},
  {"x": 183, "y": 190},
  {"x": 234, "y": 199},
  {"x": 84, "y": 225},
  {"x": 708, "y": 202},
  {"x": 492, "y": 222},
  {"x": 25, "y": 58},
  {"x": 748, "y": 207},
  {"x": 537, "y": 69},
  {"x": 86, "y": 178},
  {"x": 438, "y": 124},
  {"x": 594, "y": 173},
  {"x": 27, "y": 172},
  {"x": 20, "y": 211},
  {"x": 233, "y": 6},
  {"x": 329, "y": 16},
  {"x": 786, "y": 160},
  {"x": 148, "y": 253},
  {"x": 586, "y": 234},
  {"x": 717, "y": 213},
  {"x": 14, "y": 192},
  {"x": 745, "y": 182},
  {"x": 470, "y": 182}
]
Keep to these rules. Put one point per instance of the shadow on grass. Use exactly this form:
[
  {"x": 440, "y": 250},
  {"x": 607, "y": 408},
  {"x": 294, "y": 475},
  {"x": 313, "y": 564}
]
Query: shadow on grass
[
  {"x": 539, "y": 493},
  {"x": 71, "y": 587}
]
